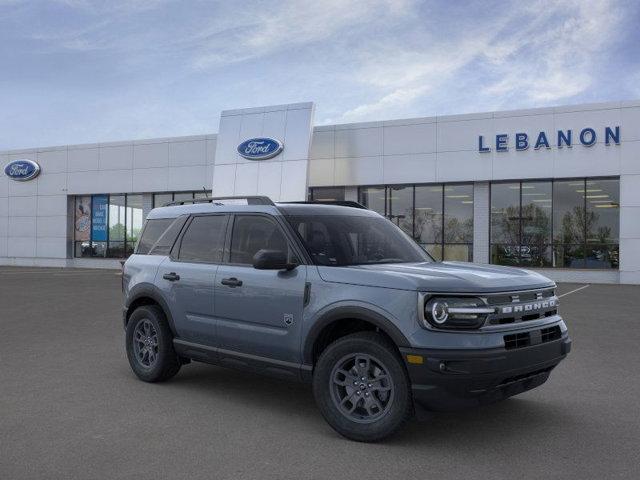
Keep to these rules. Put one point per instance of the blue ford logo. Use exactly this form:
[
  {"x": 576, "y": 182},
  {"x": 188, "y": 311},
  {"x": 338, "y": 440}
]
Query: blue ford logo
[
  {"x": 22, "y": 170},
  {"x": 260, "y": 148}
]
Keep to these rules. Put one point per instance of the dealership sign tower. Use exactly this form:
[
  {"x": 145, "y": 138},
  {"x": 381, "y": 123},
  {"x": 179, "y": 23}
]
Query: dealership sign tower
[{"x": 264, "y": 151}]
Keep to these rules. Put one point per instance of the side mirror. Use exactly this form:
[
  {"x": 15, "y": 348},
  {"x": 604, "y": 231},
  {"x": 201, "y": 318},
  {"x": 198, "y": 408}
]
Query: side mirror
[{"x": 272, "y": 260}]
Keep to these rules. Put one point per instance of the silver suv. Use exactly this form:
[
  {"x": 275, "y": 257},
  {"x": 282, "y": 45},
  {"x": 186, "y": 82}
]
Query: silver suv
[{"x": 338, "y": 296}]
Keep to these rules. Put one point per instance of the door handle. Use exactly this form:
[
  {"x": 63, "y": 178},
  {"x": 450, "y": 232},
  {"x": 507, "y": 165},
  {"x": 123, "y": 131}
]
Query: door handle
[
  {"x": 172, "y": 277},
  {"x": 231, "y": 282}
]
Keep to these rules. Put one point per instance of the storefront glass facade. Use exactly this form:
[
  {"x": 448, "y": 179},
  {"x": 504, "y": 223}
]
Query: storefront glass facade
[
  {"x": 107, "y": 226},
  {"x": 160, "y": 199},
  {"x": 439, "y": 217},
  {"x": 561, "y": 223}
]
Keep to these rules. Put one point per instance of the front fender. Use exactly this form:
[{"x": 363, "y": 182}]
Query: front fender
[{"x": 368, "y": 313}]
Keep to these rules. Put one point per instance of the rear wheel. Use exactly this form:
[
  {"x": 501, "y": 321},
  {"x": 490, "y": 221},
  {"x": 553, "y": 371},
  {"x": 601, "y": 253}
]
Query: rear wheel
[
  {"x": 150, "y": 345},
  {"x": 362, "y": 387}
]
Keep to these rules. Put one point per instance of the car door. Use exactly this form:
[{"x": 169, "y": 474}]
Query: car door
[
  {"x": 259, "y": 312},
  {"x": 187, "y": 277}
]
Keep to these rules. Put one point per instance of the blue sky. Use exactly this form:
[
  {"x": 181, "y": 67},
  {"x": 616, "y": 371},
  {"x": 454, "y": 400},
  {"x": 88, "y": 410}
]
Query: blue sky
[{"x": 76, "y": 71}]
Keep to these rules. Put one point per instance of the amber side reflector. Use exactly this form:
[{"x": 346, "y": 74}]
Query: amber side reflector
[{"x": 416, "y": 359}]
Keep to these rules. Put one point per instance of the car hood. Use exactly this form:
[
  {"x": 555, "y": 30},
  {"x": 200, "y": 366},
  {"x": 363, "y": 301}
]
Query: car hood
[{"x": 437, "y": 277}]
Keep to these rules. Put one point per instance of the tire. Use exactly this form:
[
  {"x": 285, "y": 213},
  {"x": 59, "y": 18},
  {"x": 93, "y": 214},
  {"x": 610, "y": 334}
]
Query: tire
[
  {"x": 384, "y": 403},
  {"x": 153, "y": 358}
]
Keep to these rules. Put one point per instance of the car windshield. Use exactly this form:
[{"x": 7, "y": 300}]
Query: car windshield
[{"x": 341, "y": 240}]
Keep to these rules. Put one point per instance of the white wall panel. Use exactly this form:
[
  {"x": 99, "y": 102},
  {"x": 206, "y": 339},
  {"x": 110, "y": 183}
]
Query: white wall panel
[
  {"x": 51, "y": 247},
  {"x": 322, "y": 172},
  {"x": 22, "y": 227},
  {"x": 247, "y": 179},
  {"x": 51, "y": 205},
  {"x": 596, "y": 119},
  {"x": 251, "y": 126},
  {"x": 52, "y": 161},
  {"x": 228, "y": 140},
  {"x": 406, "y": 168},
  {"x": 151, "y": 155},
  {"x": 630, "y": 124},
  {"x": 598, "y": 160},
  {"x": 322, "y": 144},
  {"x": 188, "y": 178},
  {"x": 420, "y": 138},
  {"x": 297, "y": 136},
  {"x": 528, "y": 163},
  {"x": 83, "y": 159},
  {"x": 22, "y": 189},
  {"x": 21, "y": 246},
  {"x": 151, "y": 180},
  {"x": 359, "y": 171},
  {"x": 463, "y": 166},
  {"x": 630, "y": 191},
  {"x": 270, "y": 179},
  {"x": 629, "y": 222},
  {"x": 463, "y": 135},
  {"x": 52, "y": 183},
  {"x": 115, "y": 181},
  {"x": 358, "y": 142},
  {"x": 211, "y": 150},
  {"x": 84, "y": 182},
  {"x": 630, "y": 157},
  {"x": 117, "y": 157},
  {"x": 224, "y": 179},
  {"x": 52, "y": 226},
  {"x": 273, "y": 125},
  {"x": 22, "y": 206},
  {"x": 294, "y": 180},
  {"x": 188, "y": 153}
]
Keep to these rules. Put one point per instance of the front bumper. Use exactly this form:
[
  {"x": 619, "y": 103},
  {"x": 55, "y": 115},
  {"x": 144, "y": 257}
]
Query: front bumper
[{"x": 454, "y": 379}]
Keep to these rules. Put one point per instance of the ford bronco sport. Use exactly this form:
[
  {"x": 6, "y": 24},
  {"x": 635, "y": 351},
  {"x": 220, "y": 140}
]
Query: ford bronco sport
[{"x": 336, "y": 295}]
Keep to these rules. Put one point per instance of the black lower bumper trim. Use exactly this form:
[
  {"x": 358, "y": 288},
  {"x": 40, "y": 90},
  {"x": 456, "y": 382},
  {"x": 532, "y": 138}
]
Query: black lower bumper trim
[{"x": 454, "y": 379}]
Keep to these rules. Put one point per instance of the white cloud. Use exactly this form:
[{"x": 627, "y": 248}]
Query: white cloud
[
  {"x": 287, "y": 25},
  {"x": 543, "y": 52}
]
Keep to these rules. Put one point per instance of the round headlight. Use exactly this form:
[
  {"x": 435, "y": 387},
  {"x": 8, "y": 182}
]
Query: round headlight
[
  {"x": 439, "y": 312},
  {"x": 456, "y": 312}
]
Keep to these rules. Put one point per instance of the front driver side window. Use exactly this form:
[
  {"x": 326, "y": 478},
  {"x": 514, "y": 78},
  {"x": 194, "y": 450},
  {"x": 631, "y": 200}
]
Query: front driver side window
[{"x": 252, "y": 233}]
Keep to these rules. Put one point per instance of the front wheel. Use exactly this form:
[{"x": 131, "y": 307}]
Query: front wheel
[{"x": 362, "y": 387}]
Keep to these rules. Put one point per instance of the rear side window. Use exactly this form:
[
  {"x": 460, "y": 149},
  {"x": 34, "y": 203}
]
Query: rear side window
[
  {"x": 253, "y": 233},
  {"x": 168, "y": 238},
  {"x": 204, "y": 239},
  {"x": 153, "y": 229}
]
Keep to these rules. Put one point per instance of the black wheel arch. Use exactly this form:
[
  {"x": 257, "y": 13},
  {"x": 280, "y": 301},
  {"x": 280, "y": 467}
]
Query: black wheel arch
[
  {"x": 147, "y": 294},
  {"x": 342, "y": 313}
]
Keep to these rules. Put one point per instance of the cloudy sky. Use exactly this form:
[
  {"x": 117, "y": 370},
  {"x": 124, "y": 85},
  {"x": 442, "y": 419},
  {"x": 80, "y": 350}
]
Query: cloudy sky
[{"x": 80, "y": 71}]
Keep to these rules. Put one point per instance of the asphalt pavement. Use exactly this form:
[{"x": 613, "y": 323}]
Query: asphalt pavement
[{"x": 70, "y": 407}]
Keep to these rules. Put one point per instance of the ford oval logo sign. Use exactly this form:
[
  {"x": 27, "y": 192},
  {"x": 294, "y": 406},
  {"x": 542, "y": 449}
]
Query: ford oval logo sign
[
  {"x": 22, "y": 170},
  {"x": 260, "y": 148}
]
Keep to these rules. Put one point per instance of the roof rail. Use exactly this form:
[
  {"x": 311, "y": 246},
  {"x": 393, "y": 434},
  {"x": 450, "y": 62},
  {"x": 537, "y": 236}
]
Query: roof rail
[
  {"x": 251, "y": 200},
  {"x": 340, "y": 203}
]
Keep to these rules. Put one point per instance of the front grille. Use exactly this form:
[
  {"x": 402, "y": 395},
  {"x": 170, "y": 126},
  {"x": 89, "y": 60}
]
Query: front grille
[
  {"x": 535, "y": 337},
  {"x": 522, "y": 306}
]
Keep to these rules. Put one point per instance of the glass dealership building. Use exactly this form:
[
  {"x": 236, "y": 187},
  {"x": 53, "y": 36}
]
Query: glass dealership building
[{"x": 551, "y": 189}]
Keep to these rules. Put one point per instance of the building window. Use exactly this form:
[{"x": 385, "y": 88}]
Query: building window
[
  {"x": 565, "y": 224},
  {"x": 326, "y": 194},
  {"x": 161, "y": 199},
  {"x": 107, "y": 226},
  {"x": 439, "y": 217}
]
